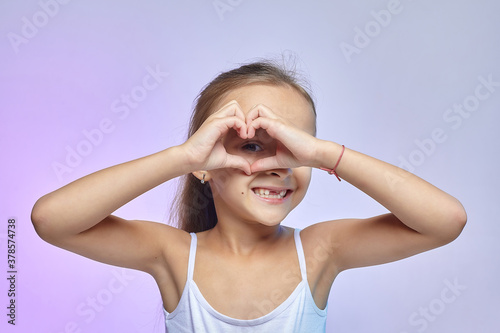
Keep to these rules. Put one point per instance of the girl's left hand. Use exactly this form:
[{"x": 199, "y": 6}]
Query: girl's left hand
[{"x": 294, "y": 148}]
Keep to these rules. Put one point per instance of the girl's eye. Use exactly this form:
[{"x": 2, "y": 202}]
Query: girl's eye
[{"x": 252, "y": 147}]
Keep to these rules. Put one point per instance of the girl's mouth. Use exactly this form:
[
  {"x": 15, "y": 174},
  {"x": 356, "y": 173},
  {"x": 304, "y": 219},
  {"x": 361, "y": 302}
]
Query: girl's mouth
[{"x": 270, "y": 193}]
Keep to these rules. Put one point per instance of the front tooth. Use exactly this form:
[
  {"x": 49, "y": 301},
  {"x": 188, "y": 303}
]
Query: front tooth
[{"x": 266, "y": 193}]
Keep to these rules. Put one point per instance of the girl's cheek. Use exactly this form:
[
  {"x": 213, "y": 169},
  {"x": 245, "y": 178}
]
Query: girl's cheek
[{"x": 304, "y": 176}]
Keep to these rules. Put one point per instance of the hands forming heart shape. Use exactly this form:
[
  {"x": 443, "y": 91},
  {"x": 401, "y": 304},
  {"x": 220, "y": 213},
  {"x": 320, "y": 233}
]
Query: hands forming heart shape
[{"x": 294, "y": 146}]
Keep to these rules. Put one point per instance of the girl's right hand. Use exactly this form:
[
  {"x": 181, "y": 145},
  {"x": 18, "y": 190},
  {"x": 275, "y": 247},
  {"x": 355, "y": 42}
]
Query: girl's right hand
[{"x": 204, "y": 148}]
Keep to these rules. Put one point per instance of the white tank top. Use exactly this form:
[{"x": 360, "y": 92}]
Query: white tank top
[{"x": 298, "y": 313}]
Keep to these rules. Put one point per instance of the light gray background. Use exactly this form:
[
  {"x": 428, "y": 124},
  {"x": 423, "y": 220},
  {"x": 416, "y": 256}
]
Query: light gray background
[{"x": 384, "y": 85}]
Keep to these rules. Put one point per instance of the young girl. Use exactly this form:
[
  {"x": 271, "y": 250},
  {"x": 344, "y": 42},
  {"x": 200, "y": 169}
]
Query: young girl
[{"x": 232, "y": 267}]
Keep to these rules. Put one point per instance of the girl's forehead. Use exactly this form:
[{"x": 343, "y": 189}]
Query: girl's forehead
[{"x": 284, "y": 101}]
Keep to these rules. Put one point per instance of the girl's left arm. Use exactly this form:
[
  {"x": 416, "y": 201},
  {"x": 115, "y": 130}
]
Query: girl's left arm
[{"x": 421, "y": 216}]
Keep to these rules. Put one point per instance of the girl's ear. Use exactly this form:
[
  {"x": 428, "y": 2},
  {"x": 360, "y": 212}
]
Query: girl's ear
[{"x": 202, "y": 175}]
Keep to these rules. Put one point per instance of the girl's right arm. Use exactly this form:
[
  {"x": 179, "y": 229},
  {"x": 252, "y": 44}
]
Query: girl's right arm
[{"x": 77, "y": 216}]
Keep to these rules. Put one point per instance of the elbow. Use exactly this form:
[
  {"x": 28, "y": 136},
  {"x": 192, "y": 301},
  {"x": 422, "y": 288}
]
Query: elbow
[
  {"x": 459, "y": 219},
  {"x": 40, "y": 218},
  {"x": 455, "y": 222}
]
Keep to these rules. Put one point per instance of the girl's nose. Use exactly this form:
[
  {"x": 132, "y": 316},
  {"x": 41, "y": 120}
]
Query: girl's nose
[{"x": 282, "y": 173}]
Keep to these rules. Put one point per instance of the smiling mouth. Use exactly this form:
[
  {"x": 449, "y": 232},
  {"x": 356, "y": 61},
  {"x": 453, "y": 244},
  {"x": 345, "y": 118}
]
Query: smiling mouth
[{"x": 270, "y": 194}]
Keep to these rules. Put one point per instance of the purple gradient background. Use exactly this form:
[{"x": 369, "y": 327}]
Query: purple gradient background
[{"x": 64, "y": 79}]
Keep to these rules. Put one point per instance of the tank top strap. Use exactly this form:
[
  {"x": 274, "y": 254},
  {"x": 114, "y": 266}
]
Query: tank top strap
[
  {"x": 300, "y": 254},
  {"x": 192, "y": 255}
]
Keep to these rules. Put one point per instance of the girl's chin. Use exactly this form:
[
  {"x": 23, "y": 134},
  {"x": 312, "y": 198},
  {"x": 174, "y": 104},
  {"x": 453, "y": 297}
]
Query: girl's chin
[
  {"x": 270, "y": 224},
  {"x": 270, "y": 220}
]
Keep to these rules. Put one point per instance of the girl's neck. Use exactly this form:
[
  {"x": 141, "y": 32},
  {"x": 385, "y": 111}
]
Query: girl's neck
[{"x": 244, "y": 239}]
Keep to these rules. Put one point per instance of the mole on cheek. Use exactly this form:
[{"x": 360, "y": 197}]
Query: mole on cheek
[{"x": 242, "y": 193}]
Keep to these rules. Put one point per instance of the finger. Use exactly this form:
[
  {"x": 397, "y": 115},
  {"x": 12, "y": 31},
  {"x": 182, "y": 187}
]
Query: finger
[
  {"x": 237, "y": 124},
  {"x": 229, "y": 122},
  {"x": 232, "y": 108},
  {"x": 214, "y": 129},
  {"x": 266, "y": 163},
  {"x": 273, "y": 127},
  {"x": 260, "y": 110},
  {"x": 238, "y": 162},
  {"x": 257, "y": 112}
]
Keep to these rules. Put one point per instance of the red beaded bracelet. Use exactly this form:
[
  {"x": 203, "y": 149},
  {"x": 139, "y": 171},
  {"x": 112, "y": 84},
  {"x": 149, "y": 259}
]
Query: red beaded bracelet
[{"x": 332, "y": 171}]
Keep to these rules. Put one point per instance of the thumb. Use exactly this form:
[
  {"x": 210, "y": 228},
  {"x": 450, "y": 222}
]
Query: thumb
[
  {"x": 266, "y": 163},
  {"x": 238, "y": 162}
]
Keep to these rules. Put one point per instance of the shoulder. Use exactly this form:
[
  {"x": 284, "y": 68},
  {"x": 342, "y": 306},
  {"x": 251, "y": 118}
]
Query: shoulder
[
  {"x": 171, "y": 245},
  {"x": 325, "y": 243},
  {"x": 323, "y": 235},
  {"x": 170, "y": 269},
  {"x": 321, "y": 241}
]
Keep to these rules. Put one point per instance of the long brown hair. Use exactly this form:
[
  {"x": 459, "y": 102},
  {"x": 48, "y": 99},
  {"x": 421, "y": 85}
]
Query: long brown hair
[{"x": 193, "y": 207}]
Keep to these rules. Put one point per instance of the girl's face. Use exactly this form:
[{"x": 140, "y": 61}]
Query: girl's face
[{"x": 236, "y": 195}]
